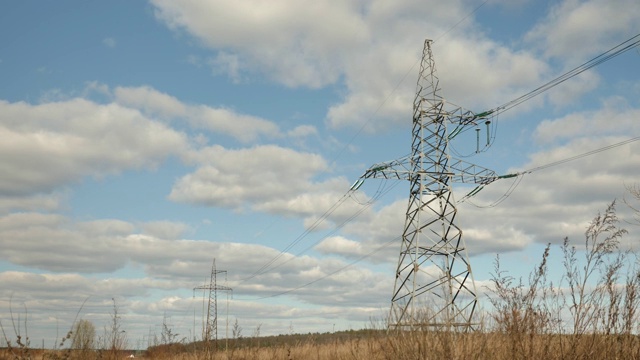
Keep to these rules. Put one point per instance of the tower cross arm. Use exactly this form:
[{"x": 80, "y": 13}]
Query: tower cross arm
[
  {"x": 468, "y": 173},
  {"x": 399, "y": 169},
  {"x": 458, "y": 171},
  {"x": 215, "y": 287}
]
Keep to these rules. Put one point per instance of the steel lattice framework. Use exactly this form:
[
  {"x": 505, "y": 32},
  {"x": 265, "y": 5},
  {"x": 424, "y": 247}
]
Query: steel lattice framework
[
  {"x": 434, "y": 285},
  {"x": 211, "y": 330}
]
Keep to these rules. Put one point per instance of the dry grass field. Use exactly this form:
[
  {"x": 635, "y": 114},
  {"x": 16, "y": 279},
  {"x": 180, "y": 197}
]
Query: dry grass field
[{"x": 396, "y": 346}]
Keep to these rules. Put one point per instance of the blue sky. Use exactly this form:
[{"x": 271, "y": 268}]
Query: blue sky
[{"x": 143, "y": 139}]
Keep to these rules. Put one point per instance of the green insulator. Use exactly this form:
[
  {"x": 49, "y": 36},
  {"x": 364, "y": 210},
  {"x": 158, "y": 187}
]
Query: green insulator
[
  {"x": 475, "y": 191},
  {"x": 484, "y": 114},
  {"x": 357, "y": 185},
  {"x": 455, "y": 132},
  {"x": 379, "y": 168}
]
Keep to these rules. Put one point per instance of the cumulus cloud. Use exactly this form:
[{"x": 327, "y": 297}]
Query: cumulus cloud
[
  {"x": 52, "y": 144},
  {"x": 575, "y": 29},
  {"x": 165, "y": 229},
  {"x": 57, "y": 244},
  {"x": 591, "y": 123},
  {"x": 262, "y": 174},
  {"x": 302, "y": 131},
  {"x": 359, "y": 45},
  {"x": 245, "y": 128},
  {"x": 36, "y": 202},
  {"x": 68, "y": 249},
  {"x": 273, "y": 36},
  {"x": 339, "y": 244}
]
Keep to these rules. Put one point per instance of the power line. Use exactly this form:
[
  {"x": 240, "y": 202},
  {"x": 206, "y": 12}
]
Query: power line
[
  {"x": 460, "y": 22},
  {"x": 404, "y": 77},
  {"x": 579, "y": 156},
  {"x": 619, "y": 49},
  {"x": 520, "y": 174},
  {"x": 340, "y": 226},
  {"x": 263, "y": 269},
  {"x": 611, "y": 53},
  {"x": 330, "y": 274},
  {"x": 466, "y": 198},
  {"x": 268, "y": 266},
  {"x": 535, "y": 169},
  {"x": 605, "y": 56}
]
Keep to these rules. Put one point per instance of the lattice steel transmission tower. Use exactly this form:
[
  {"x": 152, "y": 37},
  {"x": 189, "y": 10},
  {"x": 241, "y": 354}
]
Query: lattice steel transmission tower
[
  {"x": 434, "y": 285},
  {"x": 211, "y": 326}
]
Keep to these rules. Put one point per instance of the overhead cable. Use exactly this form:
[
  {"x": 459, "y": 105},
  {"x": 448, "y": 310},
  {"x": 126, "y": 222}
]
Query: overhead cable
[
  {"x": 331, "y": 273},
  {"x": 559, "y": 162},
  {"x": 607, "y": 55}
]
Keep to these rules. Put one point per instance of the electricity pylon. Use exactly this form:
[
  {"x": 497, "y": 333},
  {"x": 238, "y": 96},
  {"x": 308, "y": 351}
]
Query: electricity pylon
[
  {"x": 434, "y": 285},
  {"x": 211, "y": 329}
]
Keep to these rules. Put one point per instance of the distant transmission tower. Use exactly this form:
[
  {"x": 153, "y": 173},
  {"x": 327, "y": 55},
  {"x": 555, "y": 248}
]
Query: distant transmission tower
[
  {"x": 434, "y": 286},
  {"x": 211, "y": 328}
]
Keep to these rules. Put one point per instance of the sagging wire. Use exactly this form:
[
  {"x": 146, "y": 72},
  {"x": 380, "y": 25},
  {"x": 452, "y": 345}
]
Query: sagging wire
[
  {"x": 619, "y": 49},
  {"x": 375, "y": 197},
  {"x": 520, "y": 175},
  {"x": 269, "y": 266},
  {"x": 367, "y": 255},
  {"x": 495, "y": 112},
  {"x": 517, "y": 179},
  {"x": 339, "y": 226},
  {"x": 560, "y": 162},
  {"x": 626, "y": 45},
  {"x": 461, "y": 20},
  {"x": 264, "y": 268}
]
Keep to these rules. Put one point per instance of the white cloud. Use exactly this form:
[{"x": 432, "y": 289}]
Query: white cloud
[
  {"x": 55, "y": 243},
  {"x": 150, "y": 100},
  {"x": 59, "y": 142},
  {"x": 614, "y": 117},
  {"x": 245, "y": 128},
  {"x": 230, "y": 64},
  {"x": 577, "y": 29},
  {"x": 168, "y": 230},
  {"x": 340, "y": 245},
  {"x": 296, "y": 50},
  {"x": 52, "y": 144},
  {"x": 58, "y": 244},
  {"x": 303, "y": 131},
  {"x": 495, "y": 240},
  {"x": 37, "y": 202},
  {"x": 324, "y": 205},
  {"x": 358, "y": 44},
  {"x": 232, "y": 178}
]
